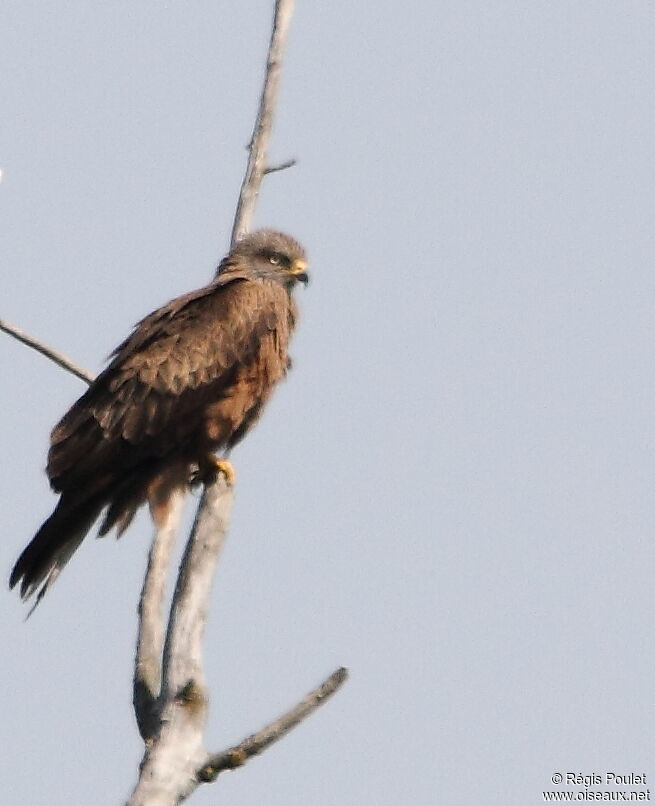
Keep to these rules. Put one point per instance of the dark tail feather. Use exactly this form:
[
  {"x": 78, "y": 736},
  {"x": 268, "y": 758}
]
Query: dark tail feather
[
  {"x": 54, "y": 545},
  {"x": 150, "y": 482}
]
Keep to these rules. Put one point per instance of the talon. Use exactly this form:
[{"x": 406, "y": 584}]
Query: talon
[
  {"x": 227, "y": 469},
  {"x": 209, "y": 466}
]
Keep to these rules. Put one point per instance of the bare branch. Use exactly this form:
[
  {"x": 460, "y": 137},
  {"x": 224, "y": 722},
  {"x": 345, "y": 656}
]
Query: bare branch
[
  {"x": 183, "y": 648},
  {"x": 171, "y": 699},
  {"x": 263, "y": 124},
  {"x": 48, "y": 352},
  {"x": 281, "y": 167},
  {"x": 168, "y": 772},
  {"x": 151, "y": 632},
  {"x": 238, "y": 755}
]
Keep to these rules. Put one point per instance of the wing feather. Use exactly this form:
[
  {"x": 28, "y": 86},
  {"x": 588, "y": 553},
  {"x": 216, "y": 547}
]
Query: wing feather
[{"x": 178, "y": 360}]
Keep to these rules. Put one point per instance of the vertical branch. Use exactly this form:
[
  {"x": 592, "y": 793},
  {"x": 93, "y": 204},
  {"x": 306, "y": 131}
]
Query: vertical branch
[
  {"x": 261, "y": 134},
  {"x": 168, "y": 772},
  {"x": 183, "y": 649},
  {"x": 151, "y": 629},
  {"x": 172, "y": 722}
]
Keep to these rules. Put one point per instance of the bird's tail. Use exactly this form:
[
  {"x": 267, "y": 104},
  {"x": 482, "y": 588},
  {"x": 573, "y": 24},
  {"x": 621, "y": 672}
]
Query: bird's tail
[{"x": 54, "y": 544}]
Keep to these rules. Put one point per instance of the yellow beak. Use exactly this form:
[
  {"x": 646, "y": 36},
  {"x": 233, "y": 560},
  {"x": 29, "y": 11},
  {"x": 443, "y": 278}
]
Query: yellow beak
[
  {"x": 299, "y": 267},
  {"x": 299, "y": 271}
]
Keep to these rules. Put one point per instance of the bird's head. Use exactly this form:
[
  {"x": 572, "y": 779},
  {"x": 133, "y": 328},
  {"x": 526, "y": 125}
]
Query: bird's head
[{"x": 268, "y": 254}]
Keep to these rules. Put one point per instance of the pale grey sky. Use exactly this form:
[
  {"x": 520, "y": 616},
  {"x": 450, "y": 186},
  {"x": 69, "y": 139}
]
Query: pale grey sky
[{"x": 453, "y": 492}]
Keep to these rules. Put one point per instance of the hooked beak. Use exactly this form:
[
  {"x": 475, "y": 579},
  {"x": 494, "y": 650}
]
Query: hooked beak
[{"x": 298, "y": 271}]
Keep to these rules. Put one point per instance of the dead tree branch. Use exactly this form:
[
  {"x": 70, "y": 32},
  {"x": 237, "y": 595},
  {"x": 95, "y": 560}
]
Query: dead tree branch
[
  {"x": 238, "y": 755},
  {"x": 175, "y": 752},
  {"x": 151, "y": 628},
  {"x": 172, "y": 723},
  {"x": 261, "y": 134},
  {"x": 148, "y": 657},
  {"x": 59, "y": 358},
  {"x": 283, "y": 166}
]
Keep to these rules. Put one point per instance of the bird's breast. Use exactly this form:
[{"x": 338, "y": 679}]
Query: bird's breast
[{"x": 238, "y": 406}]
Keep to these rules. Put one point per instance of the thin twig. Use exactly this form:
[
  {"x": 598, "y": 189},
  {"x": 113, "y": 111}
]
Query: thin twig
[
  {"x": 263, "y": 124},
  {"x": 59, "y": 358},
  {"x": 238, "y": 755},
  {"x": 281, "y": 167}
]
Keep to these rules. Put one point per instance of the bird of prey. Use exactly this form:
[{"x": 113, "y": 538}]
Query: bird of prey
[{"x": 190, "y": 380}]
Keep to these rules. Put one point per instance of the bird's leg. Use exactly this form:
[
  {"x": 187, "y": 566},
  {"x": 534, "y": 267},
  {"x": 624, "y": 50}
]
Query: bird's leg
[{"x": 209, "y": 465}]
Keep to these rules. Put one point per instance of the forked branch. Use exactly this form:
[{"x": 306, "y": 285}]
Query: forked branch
[
  {"x": 151, "y": 626},
  {"x": 182, "y": 702}
]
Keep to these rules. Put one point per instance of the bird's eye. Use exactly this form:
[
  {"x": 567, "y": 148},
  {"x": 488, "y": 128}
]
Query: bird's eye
[{"x": 275, "y": 259}]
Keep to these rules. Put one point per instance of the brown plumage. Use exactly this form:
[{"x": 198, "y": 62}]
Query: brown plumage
[{"x": 191, "y": 379}]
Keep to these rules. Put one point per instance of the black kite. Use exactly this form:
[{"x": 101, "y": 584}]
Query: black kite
[{"x": 191, "y": 379}]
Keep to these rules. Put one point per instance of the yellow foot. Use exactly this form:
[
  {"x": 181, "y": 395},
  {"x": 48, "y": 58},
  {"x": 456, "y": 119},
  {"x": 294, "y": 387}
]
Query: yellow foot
[
  {"x": 209, "y": 466},
  {"x": 227, "y": 469}
]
